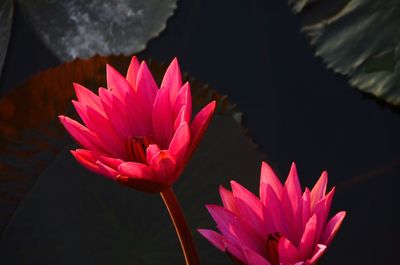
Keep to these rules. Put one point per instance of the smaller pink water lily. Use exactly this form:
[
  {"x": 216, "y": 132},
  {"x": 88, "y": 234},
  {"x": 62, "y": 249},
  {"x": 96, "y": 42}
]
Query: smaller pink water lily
[
  {"x": 282, "y": 227},
  {"x": 136, "y": 133}
]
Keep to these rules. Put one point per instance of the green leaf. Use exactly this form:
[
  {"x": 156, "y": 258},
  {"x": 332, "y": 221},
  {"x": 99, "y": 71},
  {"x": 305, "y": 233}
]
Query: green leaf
[
  {"x": 6, "y": 14},
  {"x": 80, "y": 29},
  {"x": 359, "y": 39}
]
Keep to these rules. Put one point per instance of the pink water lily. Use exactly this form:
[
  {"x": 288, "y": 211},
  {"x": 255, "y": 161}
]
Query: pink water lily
[
  {"x": 134, "y": 132},
  {"x": 283, "y": 226}
]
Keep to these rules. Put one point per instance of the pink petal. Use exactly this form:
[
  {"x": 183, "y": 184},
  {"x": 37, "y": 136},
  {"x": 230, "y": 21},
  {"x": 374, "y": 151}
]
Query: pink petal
[
  {"x": 287, "y": 252},
  {"x": 322, "y": 210},
  {"x": 162, "y": 119},
  {"x": 318, "y": 253},
  {"x": 306, "y": 209},
  {"x": 252, "y": 258},
  {"x": 269, "y": 178},
  {"x": 98, "y": 124},
  {"x": 307, "y": 242},
  {"x": 228, "y": 200},
  {"x": 332, "y": 227},
  {"x": 111, "y": 162},
  {"x": 214, "y": 238},
  {"x": 140, "y": 177},
  {"x": 146, "y": 88},
  {"x": 117, "y": 84},
  {"x": 234, "y": 250},
  {"x": 249, "y": 207},
  {"x": 172, "y": 80},
  {"x": 107, "y": 171},
  {"x": 273, "y": 213},
  {"x": 163, "y": 164},
  {"x": 291, "y": 203},
  {"x": 135, "y": 170},
  {"x": 151, "y": 151},
  {"x": 233, "y": 229},
  {"x": 132, "y": 73},
  {"x": 184, "y": 98},
  {"x": 182, "y": 117},
  {"x": 199, "y": 125},
  {"x": 293, "y": 188},
  {"x": 319, "y": 189},
  {"x": 87, "y": 159},
  {"x": 117, "y": 115},
  {"x": 82, "y": 135},
  {"x": 180, "y": 142},
  {"x": 87, "y": 97}
]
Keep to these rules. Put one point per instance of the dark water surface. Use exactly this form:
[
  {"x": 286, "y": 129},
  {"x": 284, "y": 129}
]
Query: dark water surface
[{"x": 294, "y": 108}]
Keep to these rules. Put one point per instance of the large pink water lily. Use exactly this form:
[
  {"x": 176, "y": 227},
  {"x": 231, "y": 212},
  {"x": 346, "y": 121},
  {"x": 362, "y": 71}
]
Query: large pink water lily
[
  {"x": 136, "y": 133},
  {"x": 282, "y": 227}
]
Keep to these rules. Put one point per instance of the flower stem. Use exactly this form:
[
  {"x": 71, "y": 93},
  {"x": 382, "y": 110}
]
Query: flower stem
[{"x": 182, "y": 229}]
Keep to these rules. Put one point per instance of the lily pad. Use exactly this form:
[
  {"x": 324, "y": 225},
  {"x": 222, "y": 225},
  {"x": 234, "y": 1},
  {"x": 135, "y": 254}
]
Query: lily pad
[
  {"x": 82, "y": 29},
  {"x": 72, "y": 216},
  {"x": 359, "y": 39},
  {"x": 6, "y": 14}
]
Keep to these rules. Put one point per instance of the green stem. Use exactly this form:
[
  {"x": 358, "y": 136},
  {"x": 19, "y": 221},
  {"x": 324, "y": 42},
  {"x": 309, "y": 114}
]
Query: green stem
[{"x": 182, "y": 229}]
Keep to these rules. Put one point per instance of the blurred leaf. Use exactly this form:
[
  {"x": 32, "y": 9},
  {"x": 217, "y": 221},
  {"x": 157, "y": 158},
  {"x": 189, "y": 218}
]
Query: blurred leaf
[
  {"x": 6, "y": 14},
  {"x": 359, "y": 39},
  {"x": 72, "y": 216},
  {"x": 77, "y": 28}
]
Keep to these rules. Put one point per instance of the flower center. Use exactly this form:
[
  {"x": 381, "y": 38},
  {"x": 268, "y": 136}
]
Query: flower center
[
  {"x": 272, "y": 248},
  {"x": 136, "y": 147}
]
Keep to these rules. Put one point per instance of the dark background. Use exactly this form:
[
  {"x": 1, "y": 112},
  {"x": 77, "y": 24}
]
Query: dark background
[{"x": 294, "y": 108}]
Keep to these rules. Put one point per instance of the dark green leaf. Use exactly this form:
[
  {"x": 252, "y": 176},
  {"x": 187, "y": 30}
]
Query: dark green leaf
[
  {"x": 77, "y": 28},
  {"x": 359, "y": 39}
]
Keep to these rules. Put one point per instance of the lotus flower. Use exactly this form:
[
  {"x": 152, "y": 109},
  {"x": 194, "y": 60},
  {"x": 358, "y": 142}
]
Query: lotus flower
[
  {"x": 136, "y": 133},
  {"x": 282, "y": 227}
]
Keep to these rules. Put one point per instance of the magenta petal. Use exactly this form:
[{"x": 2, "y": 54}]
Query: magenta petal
[
  {"x": 162, "y": 119},
  {"x": 87, "y": 159},
  {"x": 228, "y": 200},
  {"x": 287, "y": 252},
  {"x": 184, "y": 98},
  {"x": 117, "y": 84},
  {"x": 111, "y": 162},
  {"x": 291, "y": 203},
  {"x": 98, "y": 124},
  {"x": 182, "y": 117},
  {"x": 172, "y": 80},
  {"x": 293, "y": 188},
  {"x": 306, "y": 208},
  {"x": 214, "y": 238},
  {"x": 180, "y": 142},
  {"x": 151, "y": 151},
  {"x": 318, "y": 253},
  {"x": 132, "y": 73},
  {"x": 116, "y": 113},
  {"x": 252, "y": 258},
  {"x": 107, "y": 171},
  {"x": 82, "y": 135},
  {"x": 163, "y": 164},
  {"x": 273, "y": 213},
  {"x": 234, "y": 229},
  {"x": 135, "y": 170},
  {"x": 249, "y": 206},
  {"x": 87, "y": 97},
  {"x": 332, "y": 227},
  {"x": 319, "y": 189},
  {"x": 146, "y": 88},
  {"x": 199, "y": 125},
  {"x": 307, "y": 241},
  {"x": 269, "y": 178}
]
